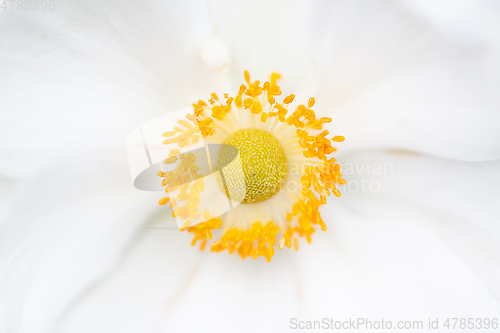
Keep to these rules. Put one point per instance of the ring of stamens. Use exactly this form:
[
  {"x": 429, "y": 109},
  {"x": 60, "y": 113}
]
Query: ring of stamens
[{"x": 318, "y": 178}]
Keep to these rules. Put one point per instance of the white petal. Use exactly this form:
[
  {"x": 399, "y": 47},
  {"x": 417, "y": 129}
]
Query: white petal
[
  {"x": 390, "y": 82},
  {"x": 390, "y": 265},
  {"x": 462, "y": 196},
  {"x": 167, "y": 286},
  {"x": 468, "y": 22},
  {"x": 229, "y": 291},
  {"x": 67, "y": 227},
  {"x": 93, "y": 65},
  {"x": 8, "y": 188},
  {"x": 474, "y": 24},
  {"x": 139, "y": 293},
  {"x": 262, "y": 39}
]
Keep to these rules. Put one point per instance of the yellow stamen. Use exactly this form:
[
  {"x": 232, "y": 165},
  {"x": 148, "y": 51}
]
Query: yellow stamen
[{"x": 264, "y": 167}]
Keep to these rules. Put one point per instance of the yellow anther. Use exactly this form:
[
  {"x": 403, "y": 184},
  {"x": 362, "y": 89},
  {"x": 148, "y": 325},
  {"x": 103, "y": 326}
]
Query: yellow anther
[
  {"x": 164, "y": 201},
  {"x": 311, "y": 102},
  {"x": 274, "y": 78},
  {"x": 237, "y": 101},
  {"x": 263, "y": 178},
  {"x": 248, "y": 102},
  {"x": 289, "y": 99},
  {"x": 256, "y": 107},
  {"x": 263, "y": 117}
]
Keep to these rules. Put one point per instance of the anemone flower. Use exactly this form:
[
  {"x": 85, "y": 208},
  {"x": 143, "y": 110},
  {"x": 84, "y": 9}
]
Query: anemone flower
[{"x": 411, "y": 243}]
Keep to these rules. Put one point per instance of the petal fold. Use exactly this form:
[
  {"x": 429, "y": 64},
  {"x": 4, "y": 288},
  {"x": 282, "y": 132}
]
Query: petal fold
[
  {"x": 391, "y": 82},
  {"x": 67, "y": 227}
]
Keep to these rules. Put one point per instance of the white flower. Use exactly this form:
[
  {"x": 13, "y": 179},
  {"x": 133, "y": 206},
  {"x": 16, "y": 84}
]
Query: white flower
[{"x": 77, "y": 251}]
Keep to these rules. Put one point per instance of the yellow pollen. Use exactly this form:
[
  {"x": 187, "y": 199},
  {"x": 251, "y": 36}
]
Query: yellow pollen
[
  {"x": 264, "y": 165},
  {"x": 265, "y": 170}
]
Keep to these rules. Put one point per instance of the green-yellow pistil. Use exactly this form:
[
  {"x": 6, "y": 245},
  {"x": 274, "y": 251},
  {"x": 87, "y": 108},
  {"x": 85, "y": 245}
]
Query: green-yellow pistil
[{"x": 263, "y": 161}]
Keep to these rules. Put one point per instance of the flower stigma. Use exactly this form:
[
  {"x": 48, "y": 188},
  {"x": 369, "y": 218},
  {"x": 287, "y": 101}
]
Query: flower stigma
[{"x": 264, "y": 164}]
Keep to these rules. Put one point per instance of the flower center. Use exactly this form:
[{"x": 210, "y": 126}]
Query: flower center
[{"x": 263, "y": 162}]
